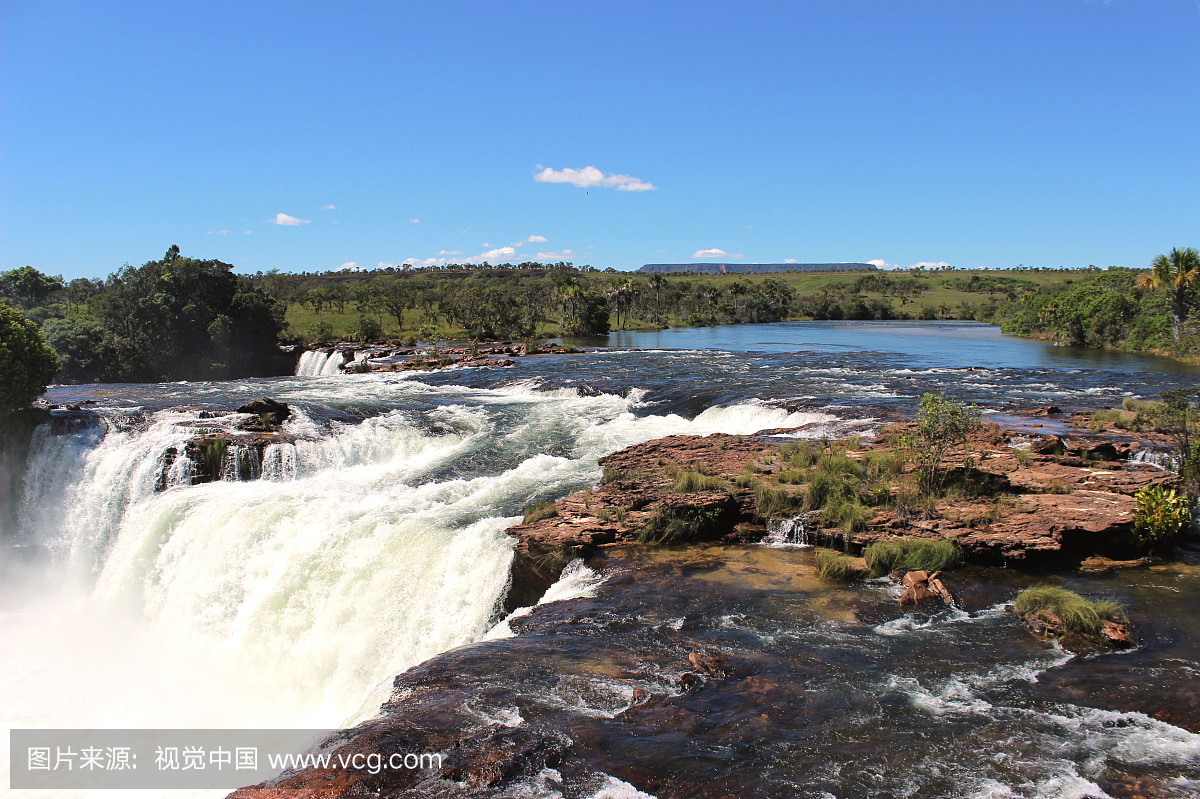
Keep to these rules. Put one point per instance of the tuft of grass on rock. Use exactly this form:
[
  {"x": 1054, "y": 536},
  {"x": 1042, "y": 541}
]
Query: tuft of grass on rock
[
  {"x": 1076, "y": 614},
  {"x": 536, "y": 513},
  {"x": 912, "y": 554},
  {"x": 774, "y": 502},
  {"x": 837, "y": 567},
  {"x": 688, "y": 481}
]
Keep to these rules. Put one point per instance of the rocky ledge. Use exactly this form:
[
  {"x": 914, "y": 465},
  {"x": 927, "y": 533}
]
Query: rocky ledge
[{"x": 1044, "y": 502}]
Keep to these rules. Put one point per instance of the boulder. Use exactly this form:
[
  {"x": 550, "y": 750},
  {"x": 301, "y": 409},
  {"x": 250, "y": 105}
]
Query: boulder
[
  {"x": 922, "y": 586},
  {"x": 274, "y": 410}
]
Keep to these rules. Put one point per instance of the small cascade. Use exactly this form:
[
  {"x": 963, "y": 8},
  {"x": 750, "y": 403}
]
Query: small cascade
[
  {"x": 310, "y": 363},
  {"x": 789, "y": 532},
  {"x": 314, "y": 363},
  {"x": 241, "y": 464},
  {"x": 333, "y": 365}
]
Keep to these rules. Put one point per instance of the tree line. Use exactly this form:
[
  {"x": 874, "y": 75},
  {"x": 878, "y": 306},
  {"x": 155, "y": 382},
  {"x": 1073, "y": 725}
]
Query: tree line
[{"x": 182, "y": 318}]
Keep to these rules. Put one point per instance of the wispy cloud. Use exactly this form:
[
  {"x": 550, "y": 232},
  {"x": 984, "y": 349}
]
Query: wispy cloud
[
  {"x": 557, "y": 256},
  {"x": 449, "y": 252},
  {"x": 414, "y": 221},
  {"x": 284, "y": 219},
  {"x": 716, "y": 253},
  {"x": 221, "y": 232},
  {"x": 349, "y": 266},
  {"x": 589, "y": 177},
  {"x": 328, "y": 207}
]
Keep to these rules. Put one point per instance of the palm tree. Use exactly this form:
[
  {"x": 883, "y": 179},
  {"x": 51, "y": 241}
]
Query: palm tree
[
  {"x": 1177, "y": 271},
  {"x": 657, "y": 284}
]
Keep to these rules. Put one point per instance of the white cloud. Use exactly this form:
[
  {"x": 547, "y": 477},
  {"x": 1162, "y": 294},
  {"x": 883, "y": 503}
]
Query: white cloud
[
  {"x": 882, "y": 264},
  {"x": 328, "y": 207},
  {"x": 284, "y": 219},
  {"x": 449, "y": 252},
  {"x": 534, "y": 240},
  {"x": 485, "y": 244},
  {"x": 384, "y": 265},
  {"x": 557, "y": 256},
  {"x": 413, "y": 221},
  {"x": 716, "y": 253},
  {"x": 590, "y": 176},
  {"x": 418, "y": 262},
  {"x": 929, "y": 265},
  {"x": 247, "y": 232},
  {"x": 491, "y": 255},
  {"x": 349, "y": 266},
  {"x": 790, "y": 261}
]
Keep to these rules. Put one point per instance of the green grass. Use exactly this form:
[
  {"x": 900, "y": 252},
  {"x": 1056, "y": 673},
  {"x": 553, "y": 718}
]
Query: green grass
[
  {"x": 678, "y": 526},
  {"x": 687, "y": 481},
  {"x": 836, "y": 567},
  {"x": 912, "y": 554},
  {"x": 774, "y": 502},
  {"x": 1079, "y": 616},
  {"x": 880, "y": 464},
  {"x": 849, "y": 514},
  {"x": 611, "y": 476},
  {"x": 535, "y": 513},
  {"x": 800, "y": 455}
]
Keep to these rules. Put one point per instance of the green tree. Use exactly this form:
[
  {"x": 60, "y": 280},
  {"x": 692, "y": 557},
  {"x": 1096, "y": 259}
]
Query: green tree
[
  {"x": 27, "y": 287},
  {"x": 1176, "y": 271},
  {"x": 941, "y": 425},
  {"x": 657, "y": 284},
  {"x": 26, "y": 361}
]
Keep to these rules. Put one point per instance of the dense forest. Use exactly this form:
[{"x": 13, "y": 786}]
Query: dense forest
[{"x": 182, "y": 318}]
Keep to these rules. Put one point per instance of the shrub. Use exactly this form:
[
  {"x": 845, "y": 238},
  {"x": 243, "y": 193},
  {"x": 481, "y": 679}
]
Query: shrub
[
  {"x": 367, "y": 330},
  {"x": 837, "y": 567},
  {"x": 543, "y": 510},
  {"x": 941, "y": 425},
  {"x": 1023, "y": 456},
  {"x": 321, "y": 332},
  {"x": 1079, "y": 616},
  {"x": 1160, "y": 517},
  {"x": 912, "y": 554}
]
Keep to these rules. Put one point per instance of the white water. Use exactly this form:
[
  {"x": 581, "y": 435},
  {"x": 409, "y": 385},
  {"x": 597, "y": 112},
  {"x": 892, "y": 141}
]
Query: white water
[
  {"x": 319, "y": 364},
  {"x": 289, "y": 600}
]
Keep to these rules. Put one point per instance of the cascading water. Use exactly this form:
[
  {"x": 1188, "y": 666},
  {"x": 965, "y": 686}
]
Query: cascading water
[
  {"x": 355, "y": 550},
  {"x": 368, "y": 535},
  {"x": 319, "y": 364}
]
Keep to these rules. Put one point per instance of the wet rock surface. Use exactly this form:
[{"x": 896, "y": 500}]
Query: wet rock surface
[{"x": 731, "y": 671}]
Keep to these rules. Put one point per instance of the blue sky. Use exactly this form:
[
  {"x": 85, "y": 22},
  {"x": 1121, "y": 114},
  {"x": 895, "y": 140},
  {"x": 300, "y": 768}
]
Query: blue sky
[{"x": 978, "y": 132}]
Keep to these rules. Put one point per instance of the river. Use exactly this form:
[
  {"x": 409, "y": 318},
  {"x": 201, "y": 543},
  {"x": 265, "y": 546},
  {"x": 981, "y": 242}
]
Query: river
[{"x": 375, "y": 541}]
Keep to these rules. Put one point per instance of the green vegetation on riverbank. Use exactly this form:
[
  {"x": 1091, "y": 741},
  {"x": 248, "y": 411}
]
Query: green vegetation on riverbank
[{"x": 182, "y": 318}]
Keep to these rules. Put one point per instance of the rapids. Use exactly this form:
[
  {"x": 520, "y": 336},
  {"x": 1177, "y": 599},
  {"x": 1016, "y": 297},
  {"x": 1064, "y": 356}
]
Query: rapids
[{"x": 372, "y": 539}]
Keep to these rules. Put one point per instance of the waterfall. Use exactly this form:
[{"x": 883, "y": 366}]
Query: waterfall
[
  {"x": 314, "y": 363},
  {"x": 788, "y": 533}
]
